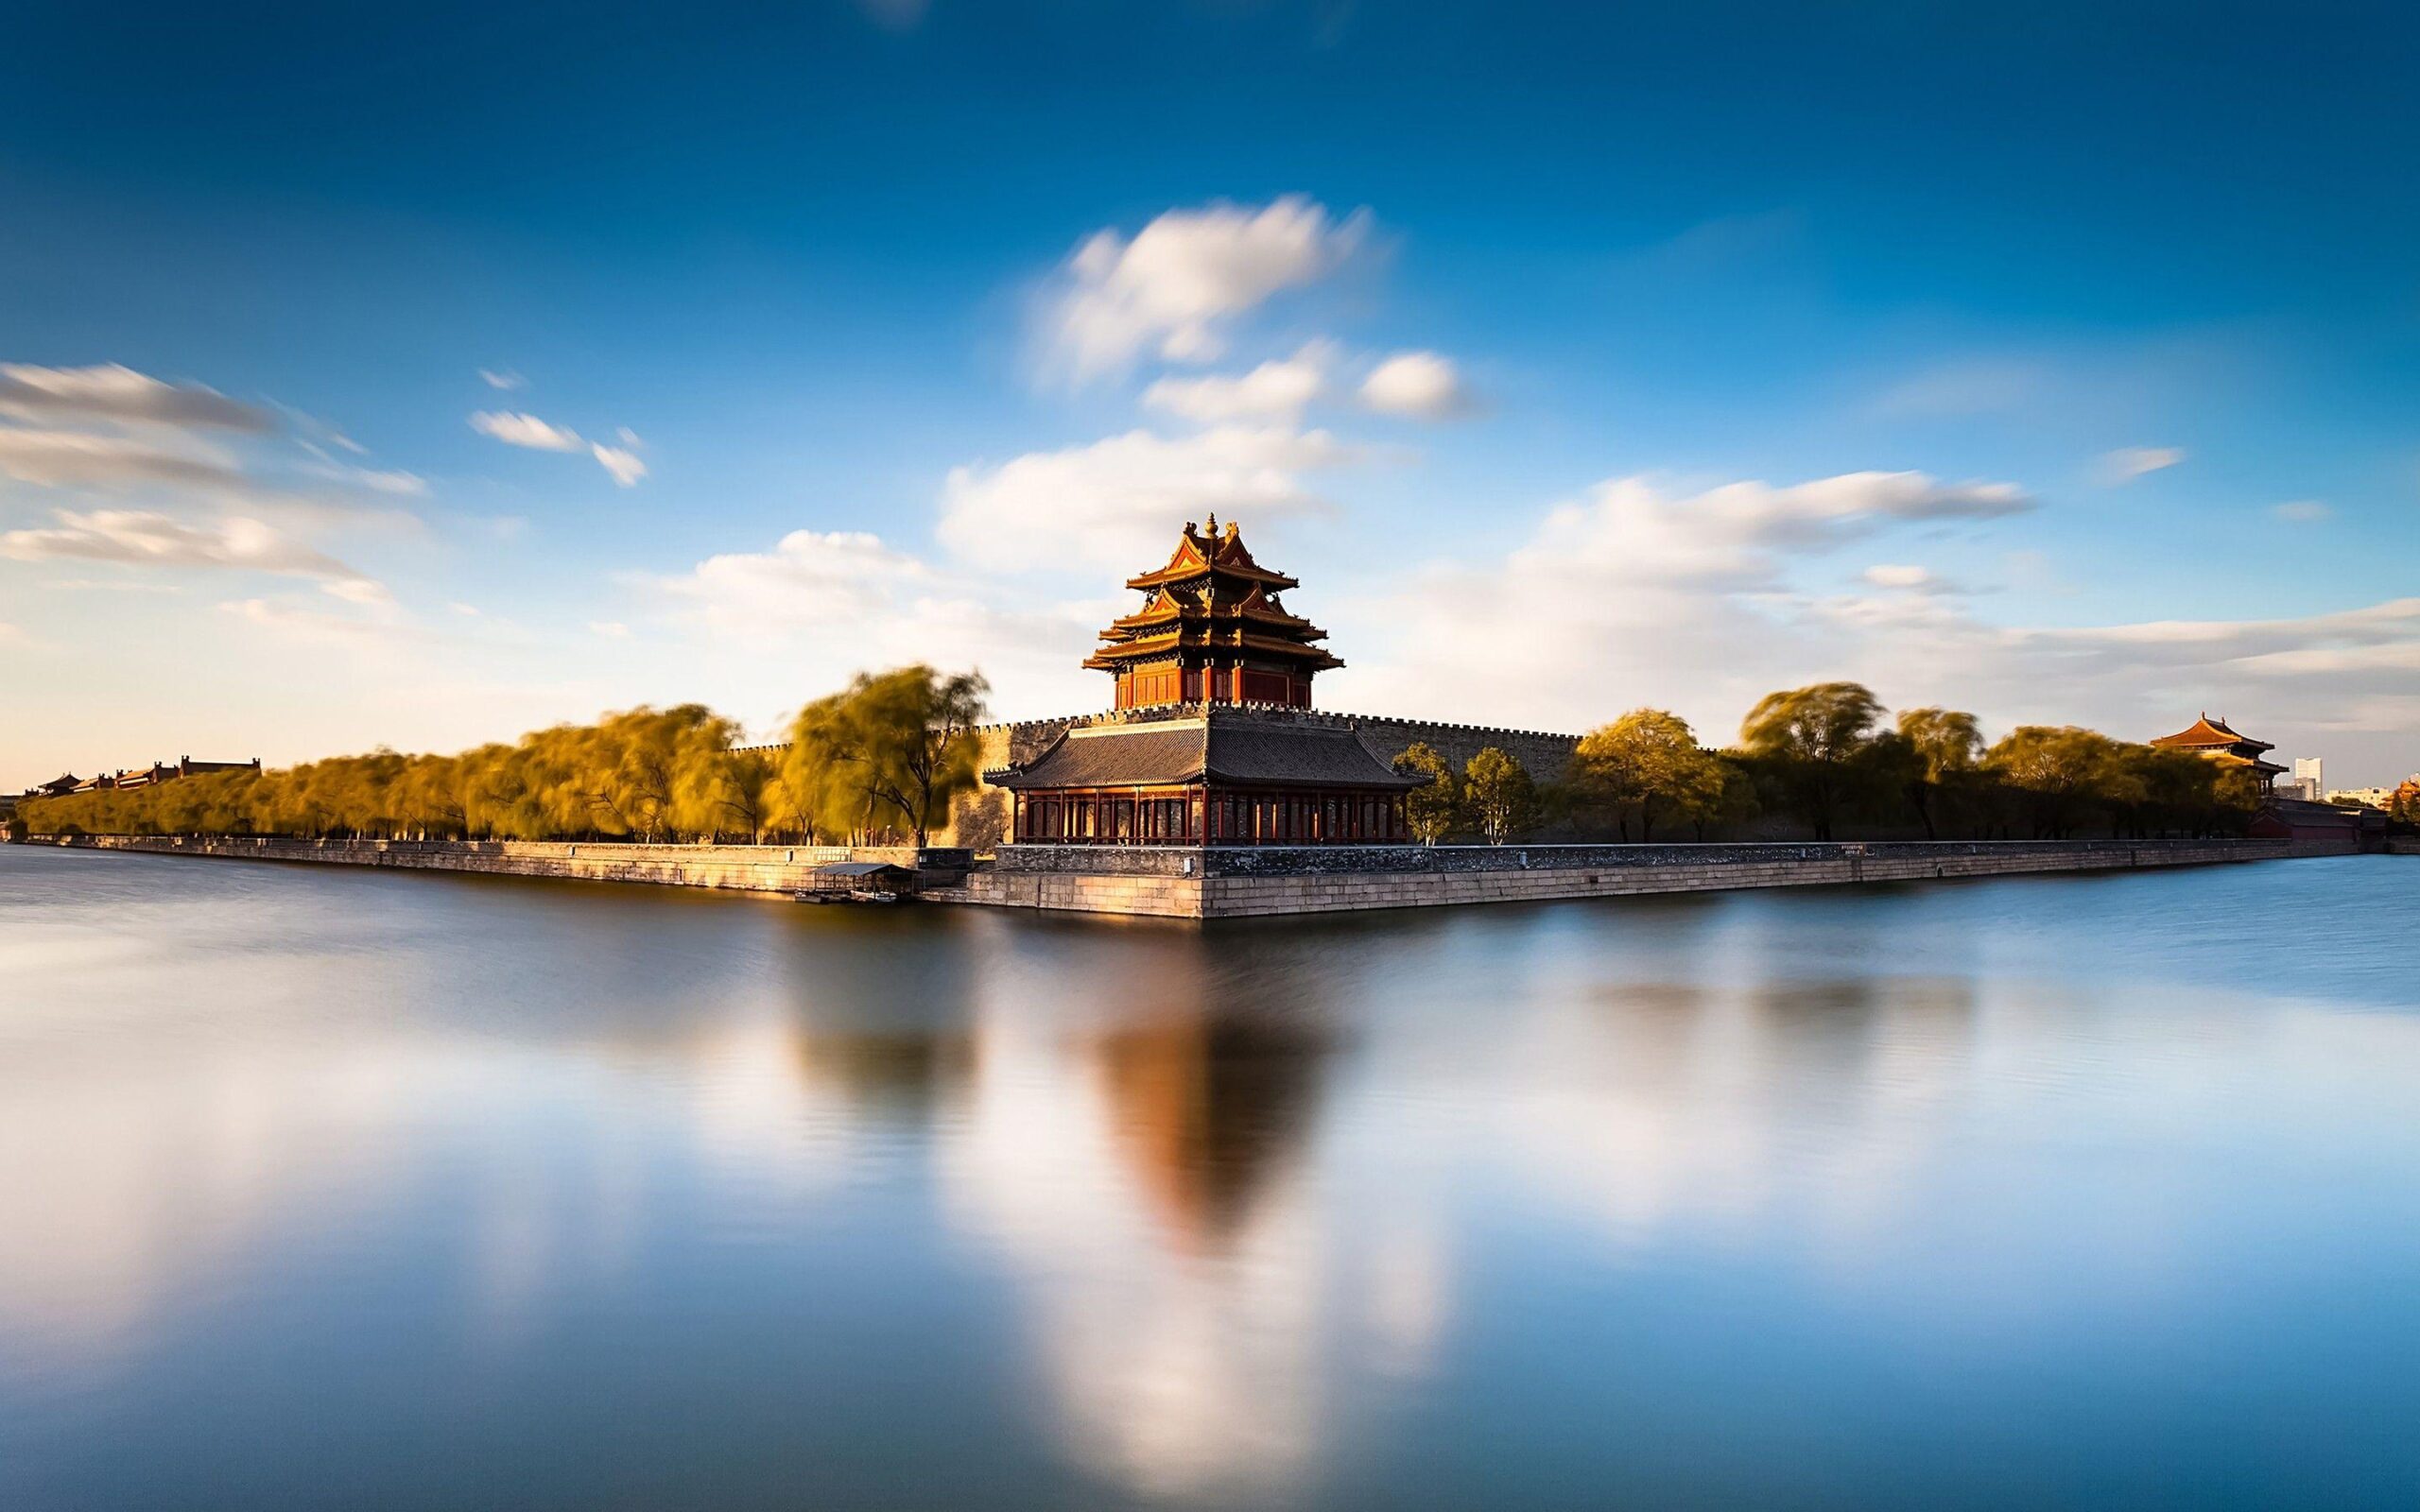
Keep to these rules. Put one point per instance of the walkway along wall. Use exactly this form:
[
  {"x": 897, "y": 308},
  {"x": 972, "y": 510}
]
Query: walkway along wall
[{"x": 1216, "y": 883}]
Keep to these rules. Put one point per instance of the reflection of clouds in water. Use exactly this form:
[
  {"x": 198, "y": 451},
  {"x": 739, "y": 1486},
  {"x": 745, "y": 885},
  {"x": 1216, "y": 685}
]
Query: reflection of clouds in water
[
  {"x": 1178, "y": 1370},
  {"x": 158, "y": 1184},
  {"x": 130, "y": 1183},
  {"x": 1664, "y": 1109}
]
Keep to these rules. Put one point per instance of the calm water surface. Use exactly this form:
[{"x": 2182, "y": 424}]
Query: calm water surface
[{"x": 331, "y": 1189}]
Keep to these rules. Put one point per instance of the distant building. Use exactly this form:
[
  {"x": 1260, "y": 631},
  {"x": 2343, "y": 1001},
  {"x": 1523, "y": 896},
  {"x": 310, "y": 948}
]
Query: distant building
[
  {"x": 2310, "y": 781},
  {"x": 143, "y": 777},
  {"x": 2212, "y": 738},
  {"x": 2368, "y": 798},
  {"x": 2292, "y": 820}
]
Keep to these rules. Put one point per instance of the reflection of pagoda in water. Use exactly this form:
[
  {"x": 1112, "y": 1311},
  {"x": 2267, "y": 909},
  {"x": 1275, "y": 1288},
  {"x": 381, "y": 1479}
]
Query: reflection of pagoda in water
[{"x": 1208, "y": 1108}]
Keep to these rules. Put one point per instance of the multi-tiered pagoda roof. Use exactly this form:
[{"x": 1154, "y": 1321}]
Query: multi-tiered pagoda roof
[{"x": 1211, "y": 629}]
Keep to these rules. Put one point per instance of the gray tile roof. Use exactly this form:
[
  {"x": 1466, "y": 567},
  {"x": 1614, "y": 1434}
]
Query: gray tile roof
[{"x": 1231, "y": 751}]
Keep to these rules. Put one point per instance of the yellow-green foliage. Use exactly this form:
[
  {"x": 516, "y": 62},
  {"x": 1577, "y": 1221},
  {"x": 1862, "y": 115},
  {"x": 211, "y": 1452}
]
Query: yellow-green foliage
[{"x": 884, "y": 758}]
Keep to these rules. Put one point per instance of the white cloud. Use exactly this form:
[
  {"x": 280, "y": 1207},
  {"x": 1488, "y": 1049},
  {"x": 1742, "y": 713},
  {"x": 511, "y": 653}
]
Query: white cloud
[
  {"x": 146, "y": 539},
  {"x": 2129, "y": 463},
  {"x": 505, "y": 379},
  {"x": 1641, "y": 595},
  {"x": 625, "y": 465},
  {"x": 469, "y": 611},
  {"x": 1279, "y": 389},
  {"x": 312, "y": 625},
  {"x": 1171, "y": 289},
  {"x": 1637, "y": 597},
  {"x": 392, "y": 481},
  {"x": 112, "y": 392},
  {"x": 363, "y": 590},
  {"x": 2302, "y": 511},
  {"x": 609, "y": 629},
  {"x": 811, "y": 577},
  {"x": 526, "y": 430},
  {"x": 50, "y": 458},
  {"x": 1124, "y": 498},
  {"x": 832, "y": 603},
  {"x": 1901, "y": 575},
  {"x": 542, "y": 436},
  {"x": 1417, "y": 385}
]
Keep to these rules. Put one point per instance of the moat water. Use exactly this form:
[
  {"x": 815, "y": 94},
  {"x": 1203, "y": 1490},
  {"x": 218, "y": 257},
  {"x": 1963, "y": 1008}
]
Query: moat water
[{"x": 327, "y": 1188}]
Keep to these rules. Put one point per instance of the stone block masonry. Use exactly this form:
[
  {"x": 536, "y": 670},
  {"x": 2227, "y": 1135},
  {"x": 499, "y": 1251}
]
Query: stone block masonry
[
  {"x": 1226, "y": 882},
  {"x": 771, "y": 869},
  {"x": 1240, "y": 882}
]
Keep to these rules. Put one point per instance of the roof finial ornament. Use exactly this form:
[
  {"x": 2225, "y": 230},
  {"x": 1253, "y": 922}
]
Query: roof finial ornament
[{"x": 1214, "y": 523}]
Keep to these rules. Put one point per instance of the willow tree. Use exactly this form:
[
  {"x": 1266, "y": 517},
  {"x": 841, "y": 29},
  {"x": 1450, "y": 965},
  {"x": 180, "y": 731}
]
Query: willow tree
[
  {"x": 1819, "y": 743},
  {"x": 654, "y": 772},
  {"x": 2056, "y": 768},
  {"x": 893, "y": 751},
  {"x": 1943, "y": 748},
  {"x": 1649, "y": 760},
  {"x": 750, "y": 790}
]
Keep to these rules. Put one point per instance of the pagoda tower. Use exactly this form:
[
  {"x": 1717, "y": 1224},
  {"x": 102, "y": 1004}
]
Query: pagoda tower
[{"x": 1211, "y": 630}]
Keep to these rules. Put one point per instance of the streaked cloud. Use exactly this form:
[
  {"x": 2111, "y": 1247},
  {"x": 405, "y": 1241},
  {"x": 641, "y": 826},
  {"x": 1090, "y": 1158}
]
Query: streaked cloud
[
  {"x": 82, "y": 460},
  {"x": 1171, "y": 289},
  {"x": 1901, "y": 575},
  {"x": 110, "y": 391},
  {"x": 515, "y": 429},
  {"x": 1418, "y": 386},
  {"x": 504, "y": 379},
  {"x": 2302, "y": 511},
  {"x": 2130, "y": 462},
  {"x": 625, "y": 465},
  {"x": 145, "y": 538}
]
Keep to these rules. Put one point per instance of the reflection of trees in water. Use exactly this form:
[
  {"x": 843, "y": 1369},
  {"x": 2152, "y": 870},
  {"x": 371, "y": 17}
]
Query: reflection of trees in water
[
  {"x": 882, "y": 1009},
  {"x": 905, "y": 1074}
]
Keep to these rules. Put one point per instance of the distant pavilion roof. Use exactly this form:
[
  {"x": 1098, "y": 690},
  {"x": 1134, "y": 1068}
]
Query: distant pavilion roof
[{"x": 2206, "y": 731}]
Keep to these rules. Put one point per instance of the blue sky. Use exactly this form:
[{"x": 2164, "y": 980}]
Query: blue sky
[{"x": 2059, "y": 365}]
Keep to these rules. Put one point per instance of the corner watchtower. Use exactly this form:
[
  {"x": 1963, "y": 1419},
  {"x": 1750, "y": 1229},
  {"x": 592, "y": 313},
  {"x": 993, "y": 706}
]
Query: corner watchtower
[{"x": 1212, "y": 630}]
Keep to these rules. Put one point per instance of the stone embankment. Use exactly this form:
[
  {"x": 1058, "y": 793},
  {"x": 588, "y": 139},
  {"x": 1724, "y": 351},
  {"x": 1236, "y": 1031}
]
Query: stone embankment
[
  {"x": 1233, "y": 882},
  {"x": 738, "y": 868},
  {"x": 1230, "y": 883}
]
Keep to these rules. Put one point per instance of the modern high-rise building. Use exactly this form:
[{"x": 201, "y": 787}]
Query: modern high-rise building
[{"x": 2310, "y": 778}]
